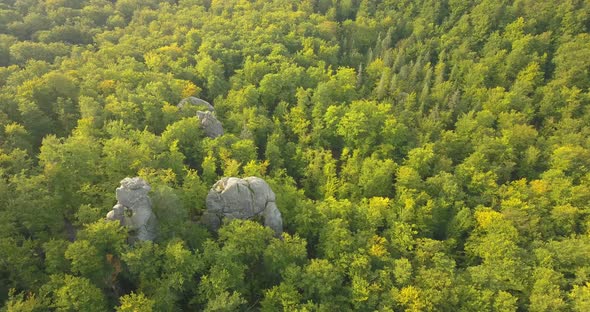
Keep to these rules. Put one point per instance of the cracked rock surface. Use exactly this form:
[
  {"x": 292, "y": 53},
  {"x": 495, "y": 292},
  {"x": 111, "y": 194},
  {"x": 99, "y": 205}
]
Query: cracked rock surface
[
  {"x": 134, "y": 209},
  {"x": 211, "y": 126},
  {"x": 248, "y": 198}
]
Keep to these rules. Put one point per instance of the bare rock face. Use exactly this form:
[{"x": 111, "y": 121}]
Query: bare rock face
[
  {"x": 211, "y": 126},
  {"x": 248, "y": 198},
  {"x": 134, "y": 209},
  {"x": 191, "y": 100}
]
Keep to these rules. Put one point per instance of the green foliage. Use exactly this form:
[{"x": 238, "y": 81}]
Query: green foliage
[
  {"x": 55, "y": 257},
  {"x": 20, "y": 303},
  {"x": 425, "y": 155},
  {"x": 135, "y": 302},
  {"x": 77, "y": 293}
]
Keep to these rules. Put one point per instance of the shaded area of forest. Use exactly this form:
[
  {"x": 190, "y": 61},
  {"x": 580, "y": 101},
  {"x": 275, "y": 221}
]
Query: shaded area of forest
[{"x": 426, "y": 155}]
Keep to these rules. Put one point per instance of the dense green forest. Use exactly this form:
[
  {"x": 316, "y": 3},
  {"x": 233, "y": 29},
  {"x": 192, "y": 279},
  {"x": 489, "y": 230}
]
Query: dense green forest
[{"x": 426, "y": 155}]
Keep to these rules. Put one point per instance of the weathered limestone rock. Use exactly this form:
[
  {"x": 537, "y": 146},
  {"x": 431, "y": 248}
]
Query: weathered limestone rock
[
  {"x": 134, "y": 209},
  {"x": 191, "y": 100},
  {"x": 211, "y": 126},
  {"x": 247, "y": 198}
]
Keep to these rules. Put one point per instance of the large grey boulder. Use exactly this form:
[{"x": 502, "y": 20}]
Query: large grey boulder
[
  {"x": 134, "y": 209},
  {"x": 191, "y": 100},
  {"x": 248, "y": 198},
  {"x": 211, "y": 126}
]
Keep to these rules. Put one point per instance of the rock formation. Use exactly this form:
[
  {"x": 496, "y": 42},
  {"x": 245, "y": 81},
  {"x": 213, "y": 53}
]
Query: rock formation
[
  {"x": 191, "y": 100},
  {"x": 134, "y": 209},
  {"x": 248, "y": 198},
  {"x": 211, "y": 126}
]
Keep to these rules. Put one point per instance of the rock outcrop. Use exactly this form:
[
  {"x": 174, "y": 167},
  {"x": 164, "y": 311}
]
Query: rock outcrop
[
  {"x": 211, "y": 126},
  {"x": 191, "y": 100},
  {"x": 248, "y": 198},
  {"x": 134, "y": 209}
]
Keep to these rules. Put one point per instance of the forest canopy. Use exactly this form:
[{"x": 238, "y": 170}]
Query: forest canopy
[{"x": 426, "y": 155}]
